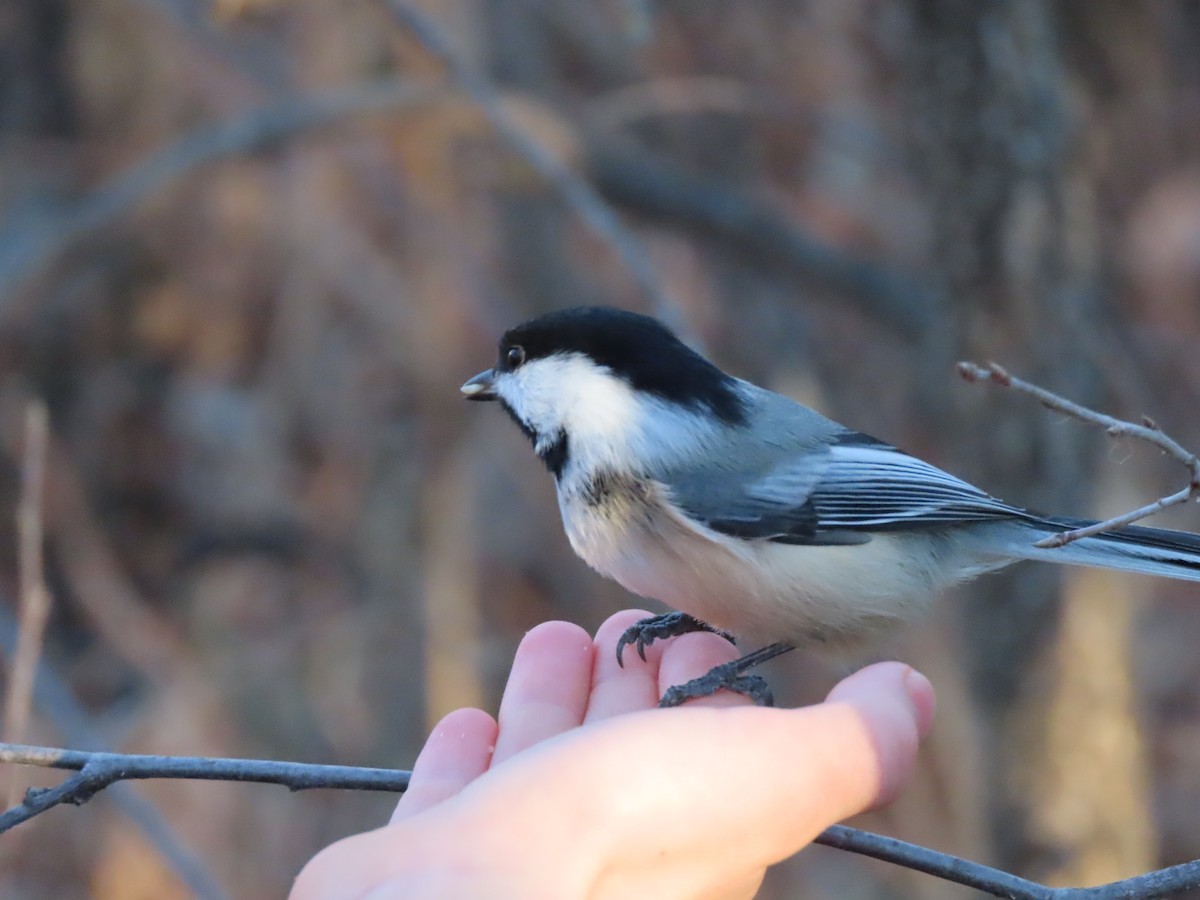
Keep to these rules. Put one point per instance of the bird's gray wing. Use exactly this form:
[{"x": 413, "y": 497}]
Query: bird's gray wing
[
  {"x": 744, "y": 499},
  {"x": 838, "y": 492},
  {"x": 871, "y": 486}
]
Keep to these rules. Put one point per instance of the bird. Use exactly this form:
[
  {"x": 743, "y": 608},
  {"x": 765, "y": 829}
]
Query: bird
[{"x": 748, "y": 513}]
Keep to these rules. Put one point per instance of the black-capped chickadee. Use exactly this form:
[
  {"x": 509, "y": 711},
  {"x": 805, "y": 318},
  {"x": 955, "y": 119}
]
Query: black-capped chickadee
[{"x": 751, "y": 513}]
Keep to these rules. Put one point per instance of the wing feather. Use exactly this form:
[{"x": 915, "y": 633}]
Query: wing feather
[{"x": 836, "y": 494}]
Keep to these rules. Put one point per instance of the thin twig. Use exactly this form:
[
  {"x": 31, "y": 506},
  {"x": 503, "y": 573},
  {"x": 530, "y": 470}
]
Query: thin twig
[
  {"x": 931, "y": 862},
  {"x": 1147, "y": 431},
  {"x": 98, "y": 770},
  {"x": 1159, "y": 883},
  {"x": 34, "y": 598},
  {"x": 577, "y": 192}
]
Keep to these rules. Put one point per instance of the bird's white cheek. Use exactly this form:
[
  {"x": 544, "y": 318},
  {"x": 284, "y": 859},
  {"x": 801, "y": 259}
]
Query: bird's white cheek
[
  {"x": 570, "y": 395},
  {"x": 534, "y": 398},
  {"x": 513, "y": 397}
]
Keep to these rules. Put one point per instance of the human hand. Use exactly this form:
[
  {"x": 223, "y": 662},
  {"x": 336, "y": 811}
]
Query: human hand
[{"x": 586, "y": 788}]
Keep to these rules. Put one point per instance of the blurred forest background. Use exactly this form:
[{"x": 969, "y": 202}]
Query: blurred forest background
[{"x": 249, "y": 249}]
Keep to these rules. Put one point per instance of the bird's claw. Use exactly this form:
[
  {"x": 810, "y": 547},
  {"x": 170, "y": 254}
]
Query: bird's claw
[
  {"x": 730, "y": 676},
  {"x": 655, "y": 628},
  {"x": 753, "y": 686}
]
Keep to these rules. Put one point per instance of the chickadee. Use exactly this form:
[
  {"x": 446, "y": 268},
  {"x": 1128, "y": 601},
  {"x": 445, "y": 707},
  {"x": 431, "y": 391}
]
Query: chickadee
[{"x": 751, "y": 513}]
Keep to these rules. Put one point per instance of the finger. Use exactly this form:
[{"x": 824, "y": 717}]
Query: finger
[
  {"x": 867, "y": 680},
  {"x": 690, "y": 656},
  {"x": 618, "y": 689},
  {"x": 457, "y": 752},
  {"x": 547, "y": 690},
  {"x": 868, "y": 689},
  {"x": 827, "y": 761}
]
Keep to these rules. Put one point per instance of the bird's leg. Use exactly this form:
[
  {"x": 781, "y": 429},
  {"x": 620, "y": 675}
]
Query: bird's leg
[
  {"x": 645, "y": 632},
  {"x": 730, "y": 675}
]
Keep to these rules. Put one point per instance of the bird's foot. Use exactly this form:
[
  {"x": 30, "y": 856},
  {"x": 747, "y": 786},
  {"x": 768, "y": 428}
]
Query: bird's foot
[
  {"x": 729, "y": 676},
  {"x": 645, "y": 632}
]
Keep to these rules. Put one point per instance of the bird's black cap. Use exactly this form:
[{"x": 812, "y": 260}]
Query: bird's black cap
[{"x": 637, "y": 348}]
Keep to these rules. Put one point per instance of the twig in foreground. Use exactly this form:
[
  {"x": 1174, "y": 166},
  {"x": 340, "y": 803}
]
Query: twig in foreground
[
  {"x": 58, "y": 706},
  {"x": 1159, "y": 883},
  {"x": 98, "y": 770},
  {"x": 1148, "y": 431}
]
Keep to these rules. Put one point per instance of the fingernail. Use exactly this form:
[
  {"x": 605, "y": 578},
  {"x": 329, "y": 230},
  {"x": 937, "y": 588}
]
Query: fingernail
[{"x": 921, "y": 695}]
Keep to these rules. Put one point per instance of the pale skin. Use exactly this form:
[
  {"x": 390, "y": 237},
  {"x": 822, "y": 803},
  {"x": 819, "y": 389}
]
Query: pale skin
[{"x": 583, "y": 788}]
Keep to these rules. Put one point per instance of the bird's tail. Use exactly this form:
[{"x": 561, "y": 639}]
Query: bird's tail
[{"x": 1151, "y": 551}]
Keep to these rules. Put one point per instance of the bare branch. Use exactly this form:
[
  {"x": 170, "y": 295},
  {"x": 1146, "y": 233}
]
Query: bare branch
[
  {"x": 931, "y": 862},
  {"x": 1159, "y": 883},
  {"x": 1148, "y": 431},
  {"x": 98, "y": 770}
]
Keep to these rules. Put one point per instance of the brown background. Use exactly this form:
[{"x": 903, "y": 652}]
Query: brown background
[{"x": 273, "y": 529}]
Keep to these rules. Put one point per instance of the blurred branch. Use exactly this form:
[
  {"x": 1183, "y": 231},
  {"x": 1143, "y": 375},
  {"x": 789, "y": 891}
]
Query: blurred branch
[
  {"x": 653, "y": 187},
  {"x": 264, "y": 67},
  {"x": 34, "y": 598},
  {"x": 28, "y": 246},
  {"x": 576, "y": 191},
  {"x": 634, "y": 178},
  {"x": 683, "y": 95},
  {"x": 99, "y": 770},
  {"x": 1148, "y": 431},
  {"x": 95, "y": 577}
]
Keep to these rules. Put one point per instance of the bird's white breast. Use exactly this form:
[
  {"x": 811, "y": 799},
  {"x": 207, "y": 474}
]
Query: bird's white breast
[{"x": 764, "y": 590}]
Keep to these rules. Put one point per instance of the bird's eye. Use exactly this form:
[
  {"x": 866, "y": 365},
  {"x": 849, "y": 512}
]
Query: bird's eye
[{"x": 514, "y": 356}]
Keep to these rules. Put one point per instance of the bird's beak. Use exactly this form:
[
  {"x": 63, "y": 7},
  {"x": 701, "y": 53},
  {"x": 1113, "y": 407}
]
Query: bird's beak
[{"x": 481, "y": 387}]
